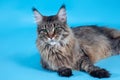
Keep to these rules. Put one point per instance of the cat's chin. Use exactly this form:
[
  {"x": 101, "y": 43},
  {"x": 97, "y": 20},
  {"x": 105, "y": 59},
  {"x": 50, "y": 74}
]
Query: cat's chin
[{"x": 53, "y": 43}]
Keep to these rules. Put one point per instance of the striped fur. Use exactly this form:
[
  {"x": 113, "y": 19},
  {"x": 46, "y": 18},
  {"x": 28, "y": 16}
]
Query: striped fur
[{"x": 74, "y": 48}]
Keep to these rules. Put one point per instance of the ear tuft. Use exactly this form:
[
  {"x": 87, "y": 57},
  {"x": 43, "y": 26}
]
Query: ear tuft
[
  {"x": 63, "y": 6},
  {"x": 34, "y": 9},
  {"x": 38, "y": 16},
  {"x": 62, "y": 14}
]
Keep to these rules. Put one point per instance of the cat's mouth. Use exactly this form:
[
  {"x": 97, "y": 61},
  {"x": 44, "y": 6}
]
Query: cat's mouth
[{"x": 53, "y": 42}]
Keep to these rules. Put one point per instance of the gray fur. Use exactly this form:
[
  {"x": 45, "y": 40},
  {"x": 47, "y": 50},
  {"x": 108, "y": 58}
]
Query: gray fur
[{"x": 75, "y": 48}]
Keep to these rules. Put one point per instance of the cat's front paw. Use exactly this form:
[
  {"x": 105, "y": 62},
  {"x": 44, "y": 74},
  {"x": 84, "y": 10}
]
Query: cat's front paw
[
  {"x": 101, "y": 73},
  {"x": 65, "y": 72}
]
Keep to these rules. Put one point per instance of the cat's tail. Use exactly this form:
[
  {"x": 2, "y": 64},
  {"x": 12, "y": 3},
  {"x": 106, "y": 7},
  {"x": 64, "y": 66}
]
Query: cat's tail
[
  {"x": 116, "y": 45},
  {"x": 109, "y": 32},
  {"x": 114, "y": 36}
]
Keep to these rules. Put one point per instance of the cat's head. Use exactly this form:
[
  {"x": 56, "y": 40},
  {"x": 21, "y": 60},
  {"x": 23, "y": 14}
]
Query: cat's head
[{"x": 52, "y": 29}]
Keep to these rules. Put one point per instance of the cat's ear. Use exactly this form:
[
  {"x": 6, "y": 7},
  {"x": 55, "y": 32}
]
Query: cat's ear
[
  {"x": 62, "y": 14},
  {"x": 38, "y": 16}
]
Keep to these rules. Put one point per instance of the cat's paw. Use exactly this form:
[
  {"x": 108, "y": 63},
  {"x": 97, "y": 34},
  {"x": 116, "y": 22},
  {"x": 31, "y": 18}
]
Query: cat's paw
[
  {"x": 65, "y": 72},
  {"x": 101, "y": 73}
]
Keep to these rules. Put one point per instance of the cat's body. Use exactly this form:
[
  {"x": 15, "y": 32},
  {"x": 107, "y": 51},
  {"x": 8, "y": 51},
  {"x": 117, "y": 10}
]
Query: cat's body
[
  {"x": 97, "y": 42},
  {"x": 64, "y": 49}
]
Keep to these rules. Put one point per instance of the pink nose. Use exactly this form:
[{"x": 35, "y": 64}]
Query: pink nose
[{"x": 51, "y": 35}]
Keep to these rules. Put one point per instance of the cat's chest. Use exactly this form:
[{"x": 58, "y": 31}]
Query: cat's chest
[
  {"x": 51, "y": 51},
  {"x": 56, "y": 53},
  {"x": 56, "y": 57}
]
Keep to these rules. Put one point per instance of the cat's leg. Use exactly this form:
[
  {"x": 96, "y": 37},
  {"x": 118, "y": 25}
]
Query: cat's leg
[
  {"x": 45, "y": 65},
  {"x": 62, "y": 71},
  {"x": 95, "y": 71},
  {"x": 65, "y": 72}
]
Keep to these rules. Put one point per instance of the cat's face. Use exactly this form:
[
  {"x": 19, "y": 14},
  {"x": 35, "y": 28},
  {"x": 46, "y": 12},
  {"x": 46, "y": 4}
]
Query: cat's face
[{"x": 52, "y": 29}]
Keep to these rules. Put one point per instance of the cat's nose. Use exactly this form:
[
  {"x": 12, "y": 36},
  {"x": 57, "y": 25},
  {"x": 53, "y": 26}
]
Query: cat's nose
[{"x": 51, "y": 35}]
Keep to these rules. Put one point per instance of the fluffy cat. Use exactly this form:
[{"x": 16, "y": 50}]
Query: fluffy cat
[{"x": 64, "y": 49}]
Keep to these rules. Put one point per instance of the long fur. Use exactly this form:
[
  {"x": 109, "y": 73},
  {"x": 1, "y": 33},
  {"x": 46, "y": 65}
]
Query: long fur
[{"x": 74, "y": 48}]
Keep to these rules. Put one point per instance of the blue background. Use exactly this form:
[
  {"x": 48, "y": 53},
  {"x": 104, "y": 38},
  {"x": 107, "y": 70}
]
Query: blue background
[{"x": 19, "y": 58}]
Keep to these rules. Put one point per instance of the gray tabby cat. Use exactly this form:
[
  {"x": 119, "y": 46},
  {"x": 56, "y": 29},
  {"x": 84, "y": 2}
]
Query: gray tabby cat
[{"x": 64, "y": 49}]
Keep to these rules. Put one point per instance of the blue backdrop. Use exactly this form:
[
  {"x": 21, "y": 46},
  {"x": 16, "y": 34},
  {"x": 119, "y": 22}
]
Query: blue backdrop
[{"x": 19, "y": 58}]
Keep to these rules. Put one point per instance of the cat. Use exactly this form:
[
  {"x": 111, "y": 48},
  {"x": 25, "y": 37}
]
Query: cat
[{"x": 64, "y": 49}]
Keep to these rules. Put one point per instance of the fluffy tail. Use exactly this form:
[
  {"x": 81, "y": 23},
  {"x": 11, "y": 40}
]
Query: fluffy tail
[
  {"x": 116, "y": 45},
  {"x": 114, "y": 36}
]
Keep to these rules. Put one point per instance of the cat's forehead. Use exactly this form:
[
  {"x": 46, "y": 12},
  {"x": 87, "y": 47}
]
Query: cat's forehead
[
  {"x": 50, "y": 22},
  {"x": 47, "y": 25},
  {"x": 50, "y": 18}
]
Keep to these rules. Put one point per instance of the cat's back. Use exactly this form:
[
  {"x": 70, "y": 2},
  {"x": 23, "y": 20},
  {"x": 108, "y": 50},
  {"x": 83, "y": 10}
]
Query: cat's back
[
  {"x": 95, "y": 44},
  {"x": 86, "y": 31},
  {"x": 89, "y": 34}
]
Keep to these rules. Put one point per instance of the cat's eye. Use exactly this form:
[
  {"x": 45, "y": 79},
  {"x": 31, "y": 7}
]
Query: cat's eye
[
  {"x": 58, "y": 28},
  {"x": 43, "y": 31}
]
